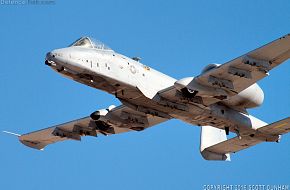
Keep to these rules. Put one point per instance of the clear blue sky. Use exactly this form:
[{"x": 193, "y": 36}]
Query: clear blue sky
[{"x": 178, "y": 38}]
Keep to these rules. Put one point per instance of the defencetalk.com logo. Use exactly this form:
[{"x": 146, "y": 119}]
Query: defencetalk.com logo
[{"x": 27, "y": 2}]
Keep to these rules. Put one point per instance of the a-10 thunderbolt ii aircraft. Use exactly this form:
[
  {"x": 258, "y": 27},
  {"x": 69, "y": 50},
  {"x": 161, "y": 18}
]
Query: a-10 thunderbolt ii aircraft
[{"x": 217, "y": 100}]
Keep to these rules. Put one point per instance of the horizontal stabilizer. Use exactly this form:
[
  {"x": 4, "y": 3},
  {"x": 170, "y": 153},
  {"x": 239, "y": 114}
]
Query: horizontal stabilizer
[
  {"x": 239, "y": 143},
  {"x": 233, "y": 145},
  {"x": 278, "y": 128}
]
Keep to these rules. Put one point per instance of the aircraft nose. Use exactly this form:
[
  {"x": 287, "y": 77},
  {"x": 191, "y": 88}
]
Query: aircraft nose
[
  {"x": 49, "y": 55},
  {"x": 56, "y": 56},
  {"x": 58, "y": 59},
  {"x": 49, "y": 58}
]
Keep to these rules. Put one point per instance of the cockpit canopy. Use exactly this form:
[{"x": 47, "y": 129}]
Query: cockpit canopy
[{"x": 88, "y": 42}]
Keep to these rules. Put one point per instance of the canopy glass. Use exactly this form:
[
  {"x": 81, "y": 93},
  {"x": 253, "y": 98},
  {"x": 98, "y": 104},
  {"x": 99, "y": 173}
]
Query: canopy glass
[{"x": 88, "y": 42}]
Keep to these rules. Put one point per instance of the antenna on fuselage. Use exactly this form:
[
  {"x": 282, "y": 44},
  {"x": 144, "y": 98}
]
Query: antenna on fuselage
[{"x": 136, "y": 59}]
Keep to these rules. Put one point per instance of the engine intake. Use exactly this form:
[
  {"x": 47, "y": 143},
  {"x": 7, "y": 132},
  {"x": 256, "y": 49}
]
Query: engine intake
[{"x": 210, "y": 67}]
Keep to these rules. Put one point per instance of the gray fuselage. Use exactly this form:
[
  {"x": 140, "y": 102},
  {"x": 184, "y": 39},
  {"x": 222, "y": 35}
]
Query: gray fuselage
[{"x": 141, "y": 88}]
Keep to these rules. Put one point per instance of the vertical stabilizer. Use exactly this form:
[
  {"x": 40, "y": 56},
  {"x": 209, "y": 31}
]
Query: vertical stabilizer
[{"x": 210, "y": 136}]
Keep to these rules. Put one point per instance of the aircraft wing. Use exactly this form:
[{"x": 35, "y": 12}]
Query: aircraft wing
[
  {"x": 119, "y": 120},
  {"x": 236, "y": 144},
  {"x": 240, "y": 73}
]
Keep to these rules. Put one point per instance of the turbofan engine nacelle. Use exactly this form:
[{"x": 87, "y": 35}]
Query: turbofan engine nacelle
[
  {"x": 210, "y": 67},
  {"x": 189, "y": 87},
  {"x": 251, "y": 97}
]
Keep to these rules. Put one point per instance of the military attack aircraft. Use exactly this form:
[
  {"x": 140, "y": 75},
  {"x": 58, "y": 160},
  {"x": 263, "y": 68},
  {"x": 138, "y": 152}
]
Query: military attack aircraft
[{"x": 217, "y": 100}]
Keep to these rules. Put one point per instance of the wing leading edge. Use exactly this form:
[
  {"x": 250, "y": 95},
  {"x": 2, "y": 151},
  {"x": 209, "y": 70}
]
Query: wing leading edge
[
  {"x": 223, "y": 82},
  {"x": 242, "y": 72},
  {"x": 119, "y": 120}
]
